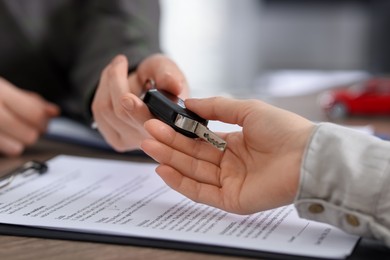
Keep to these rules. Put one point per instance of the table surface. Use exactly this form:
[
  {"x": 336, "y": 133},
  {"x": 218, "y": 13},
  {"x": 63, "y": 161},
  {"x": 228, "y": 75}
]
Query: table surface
[{"x": 15, "y": 247}]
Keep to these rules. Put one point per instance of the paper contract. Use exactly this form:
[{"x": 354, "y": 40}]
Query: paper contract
[{"x": 129, "y": 199}]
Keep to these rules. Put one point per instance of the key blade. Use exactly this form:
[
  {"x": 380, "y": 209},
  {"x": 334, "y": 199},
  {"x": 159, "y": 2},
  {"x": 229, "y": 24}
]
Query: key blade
[
  {"x": 210, "y": 137},
  {"x": 201, "y": 131}
]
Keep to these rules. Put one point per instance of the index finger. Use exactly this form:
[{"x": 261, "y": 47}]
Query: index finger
[
  {"x": 115, "y": 76},
  {"x": 195, "y": 148},
  {"x": 223, "y": 109},
  {"x": 165, "y": 73}
]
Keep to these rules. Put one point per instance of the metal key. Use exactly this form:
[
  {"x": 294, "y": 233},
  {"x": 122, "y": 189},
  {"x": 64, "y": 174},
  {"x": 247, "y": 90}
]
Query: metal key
[
  {"x": 200, "y": 130},
  {"x": 171, "y": 110}
]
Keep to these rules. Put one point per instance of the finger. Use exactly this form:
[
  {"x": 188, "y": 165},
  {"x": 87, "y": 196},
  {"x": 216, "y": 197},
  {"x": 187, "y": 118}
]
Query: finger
[
  {"x": 227, "y": 110},
  {"x": 122, "y": 104},
  {"x": 10, "y": 146},
  {"x": 165, "y": 73},
  {"x": 193, "y": 147},
  {"x": 115, "y": 76},
  {"x": 135, "y": 109},
  {"x": 199, "y": 170},
  {"x": 126, "y": 104},
  {"x": 198, "y": 192},
  {"x": 51, "y": 109},
  {"x": 32, "y": 109},
  {"x": 134, "y": 106},
  {"x": 17, "y": 129}
]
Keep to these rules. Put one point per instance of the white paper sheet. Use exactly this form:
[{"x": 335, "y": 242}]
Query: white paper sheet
[{"x": 129, "y": 199}]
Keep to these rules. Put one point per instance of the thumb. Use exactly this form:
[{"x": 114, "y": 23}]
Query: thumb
[
  {"x": 223, "y": 109},
  {"x": 166, "y": 74}
]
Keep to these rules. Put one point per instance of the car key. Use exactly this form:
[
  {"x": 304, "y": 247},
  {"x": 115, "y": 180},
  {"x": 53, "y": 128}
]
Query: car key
[{"x": 171, "y": 110}]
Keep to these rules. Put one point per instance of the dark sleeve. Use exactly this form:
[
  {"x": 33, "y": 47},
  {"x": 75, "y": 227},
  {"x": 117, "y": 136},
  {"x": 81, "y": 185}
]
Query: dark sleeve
[{"x": 108, "y": 28}]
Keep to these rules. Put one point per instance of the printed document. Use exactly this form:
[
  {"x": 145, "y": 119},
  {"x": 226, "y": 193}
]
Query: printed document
[{"x": 129, "y": 199}]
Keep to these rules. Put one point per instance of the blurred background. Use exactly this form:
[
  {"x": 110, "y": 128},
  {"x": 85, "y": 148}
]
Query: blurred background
[{"x": 275, "y": 47}]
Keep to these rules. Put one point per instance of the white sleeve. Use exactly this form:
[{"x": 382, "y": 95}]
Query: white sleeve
[{"x": 345, "y": 181}]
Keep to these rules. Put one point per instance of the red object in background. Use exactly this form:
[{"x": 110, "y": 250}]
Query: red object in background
[{"x": 370, "y": 97}]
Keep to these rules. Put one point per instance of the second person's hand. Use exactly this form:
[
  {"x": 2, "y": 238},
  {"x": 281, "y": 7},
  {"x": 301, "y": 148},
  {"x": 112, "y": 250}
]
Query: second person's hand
[
  {"x": 260, "y": 168},
  {"x": 117, "y": 108}
]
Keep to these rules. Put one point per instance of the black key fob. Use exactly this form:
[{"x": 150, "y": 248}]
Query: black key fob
[{"x": 171, "y": 110}]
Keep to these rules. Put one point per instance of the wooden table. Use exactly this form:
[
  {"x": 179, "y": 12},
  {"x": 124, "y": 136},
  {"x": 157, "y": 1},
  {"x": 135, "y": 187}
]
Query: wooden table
[{"x": 13, "y": 247}]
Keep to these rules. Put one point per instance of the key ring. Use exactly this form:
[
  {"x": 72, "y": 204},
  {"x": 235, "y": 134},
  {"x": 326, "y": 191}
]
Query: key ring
[{"x": 150, "y": 82}]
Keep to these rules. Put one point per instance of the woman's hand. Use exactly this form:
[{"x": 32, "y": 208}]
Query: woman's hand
[{"x": 259, "y": 169}]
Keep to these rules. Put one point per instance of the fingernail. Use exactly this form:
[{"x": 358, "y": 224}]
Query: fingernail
[
  {"x": 118, "y": 59},
  {"x": 53, "y": 109},
  {"x": 128, "y": 104},
  {"x": 15, "y": 149}
]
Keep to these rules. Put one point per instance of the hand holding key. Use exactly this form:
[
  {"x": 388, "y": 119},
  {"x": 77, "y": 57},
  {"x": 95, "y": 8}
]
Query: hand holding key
[
  {"x": 118, "y": 111},
  {"x": 258, "y": 170},
  {"x": 172, "y": 111}
]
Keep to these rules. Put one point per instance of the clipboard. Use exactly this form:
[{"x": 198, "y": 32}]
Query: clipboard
[
  {"x": 30, "y": 167},
  {"x": 365, "y": 249},
  {"x": 17, "y": 230},
  {"x": 41, "y": 168}
]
